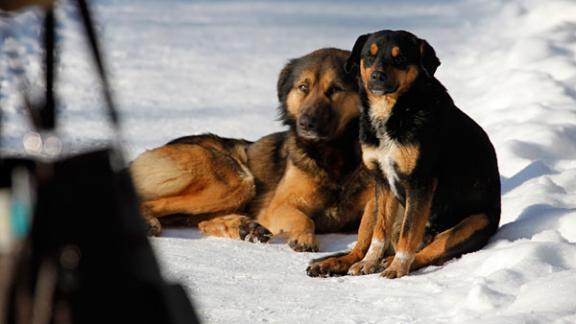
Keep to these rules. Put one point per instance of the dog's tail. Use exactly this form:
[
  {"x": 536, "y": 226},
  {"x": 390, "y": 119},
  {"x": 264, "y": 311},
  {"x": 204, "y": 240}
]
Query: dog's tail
[{"x": 157, "y": 174}]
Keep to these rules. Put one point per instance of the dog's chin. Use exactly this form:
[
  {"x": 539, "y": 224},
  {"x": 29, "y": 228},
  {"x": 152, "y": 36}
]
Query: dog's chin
[
  {"x": 383, "y": 92},
  {"x": 310, "y": 135},
  {"x": 378, "y": 92}
]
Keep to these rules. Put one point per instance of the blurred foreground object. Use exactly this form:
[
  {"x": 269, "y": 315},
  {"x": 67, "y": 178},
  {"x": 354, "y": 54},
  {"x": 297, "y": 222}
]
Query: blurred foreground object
[
  {"x": 11, "y": 5},
  {"x": 73, "y": 247}
]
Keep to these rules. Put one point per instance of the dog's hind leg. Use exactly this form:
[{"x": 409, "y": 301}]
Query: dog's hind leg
[
  {"x": 216, "y": 198},
  {"x": 470, "y": 235},
  {"x": 235, "y": 226},
  {"x": 190, "y": 179}
]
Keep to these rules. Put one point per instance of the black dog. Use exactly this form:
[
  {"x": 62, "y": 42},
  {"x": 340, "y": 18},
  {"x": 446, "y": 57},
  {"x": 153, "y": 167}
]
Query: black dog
[{"x": 439, "y": 181}]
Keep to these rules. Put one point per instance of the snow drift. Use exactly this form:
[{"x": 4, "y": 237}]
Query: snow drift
[{"x": 190, "y": 67}]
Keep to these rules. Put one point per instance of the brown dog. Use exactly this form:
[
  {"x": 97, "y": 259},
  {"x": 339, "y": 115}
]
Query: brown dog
[
  {"x": 306, "y": 180},
  {"x": 438, "y": 174}
]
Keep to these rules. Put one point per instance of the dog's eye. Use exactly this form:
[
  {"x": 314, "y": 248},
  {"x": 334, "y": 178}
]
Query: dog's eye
[{"x": 304, "y": 88}]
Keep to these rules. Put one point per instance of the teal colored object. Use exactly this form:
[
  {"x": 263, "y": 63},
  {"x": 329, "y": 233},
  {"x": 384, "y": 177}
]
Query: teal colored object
[{"x": 20, "y": 214}]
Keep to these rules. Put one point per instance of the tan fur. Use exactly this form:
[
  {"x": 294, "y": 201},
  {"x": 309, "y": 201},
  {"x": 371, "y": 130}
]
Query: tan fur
[
  {"x": 274, "y": 180},
  {"x": 406, "y": 157},
  {"x": 370, "y": 156},
  {"x": 159, "y": 172},
  {"x": 381, "y": 106},
  {"x": 224, "y": 226},
  {"x": 394, "y": 218},
  {"x": 346, "y": 103},
  {"x": 292, "y": 101},
  {"x": 294, "y": 196},
  {"x": 350, "y": 104},
  {"x": 432, "y": 253},
  {"x": 215, "y": 198},
  {"x": 394, "y": 215},
  {"x": 192, "y": 179},
  {"x": 385, "y": 233},
  {"x": 325, "y": 81},
  {"x": 405, "y": 79},
  {"x": 365, "y": 73},
  {"x": 395, "y": 51},
  {"x": 288, "y": 209},
  {"x": 378, "y": 244},
  {"x": 373, "y": 49},
  {"x": 341, "y": 264},
  {"x": 409, "y": 239},
  {"x": 296, "y": 96}
]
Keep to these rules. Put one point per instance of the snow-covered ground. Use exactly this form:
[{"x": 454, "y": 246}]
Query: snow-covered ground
[{"x": 183, "y": 67}]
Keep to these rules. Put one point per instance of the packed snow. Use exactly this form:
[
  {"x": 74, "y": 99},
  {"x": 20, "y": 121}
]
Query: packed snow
[{"x": 183, "y": 67}]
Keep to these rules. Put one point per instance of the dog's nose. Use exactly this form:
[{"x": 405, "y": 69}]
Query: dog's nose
[
  {"x": 307, "y": 122},
  {"x": 378, "y": 76}
]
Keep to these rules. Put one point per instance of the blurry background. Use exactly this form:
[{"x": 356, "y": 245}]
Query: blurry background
[{"x": 183, "y": 67}]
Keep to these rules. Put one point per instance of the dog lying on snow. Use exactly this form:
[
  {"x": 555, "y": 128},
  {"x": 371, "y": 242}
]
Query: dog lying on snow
[
  {"x": 438, "y": 186},
  {"x": 306, "y": 180}
]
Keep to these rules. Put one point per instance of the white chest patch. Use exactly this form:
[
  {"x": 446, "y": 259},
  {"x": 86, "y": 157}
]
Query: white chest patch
[{"x": 385, "y": 157}]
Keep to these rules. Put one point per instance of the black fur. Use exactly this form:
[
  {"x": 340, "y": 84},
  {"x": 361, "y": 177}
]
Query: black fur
[
  {"x": 227, "y": 143},
  {"x": 353, "y": 61},
  {"x": 285, "y": 83},
  {"x": 454, "y": 150}
]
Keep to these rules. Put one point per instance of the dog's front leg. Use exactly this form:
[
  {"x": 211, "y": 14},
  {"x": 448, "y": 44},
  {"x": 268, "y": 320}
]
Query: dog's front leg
[
  {"x": 417, "y": 212},
  {"x": 290, "y": 220},
  {"x": 339, "y": 264},
  {"x": 379, "y": 245}
]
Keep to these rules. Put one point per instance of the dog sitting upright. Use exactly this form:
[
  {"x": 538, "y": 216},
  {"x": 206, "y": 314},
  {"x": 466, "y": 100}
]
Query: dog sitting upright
[{"x": 437, "y": 174}]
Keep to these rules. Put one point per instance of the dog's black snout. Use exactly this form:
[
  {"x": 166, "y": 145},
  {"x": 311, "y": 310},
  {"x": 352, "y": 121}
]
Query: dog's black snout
[
  {"x": 378, "y": 76},
  {"x": 307, "y": 122}
]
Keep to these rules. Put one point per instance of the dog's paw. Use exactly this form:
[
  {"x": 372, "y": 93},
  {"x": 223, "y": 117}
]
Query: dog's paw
[
  {"x": 330, "y": 267},
  {"x": 254, "y": 232},
  {"x": 365, "y": 267},
  {"x": 397, "y": 266},
  {"x": 237, "y": 227},
  {"x": 303, "y": 242}
]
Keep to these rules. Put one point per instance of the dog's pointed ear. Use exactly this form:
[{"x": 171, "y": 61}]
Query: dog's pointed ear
[
  {"x": 428, "y": 59},
  {"x": 284, "y": 80},
  {"x": 354, "y": 58}
]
